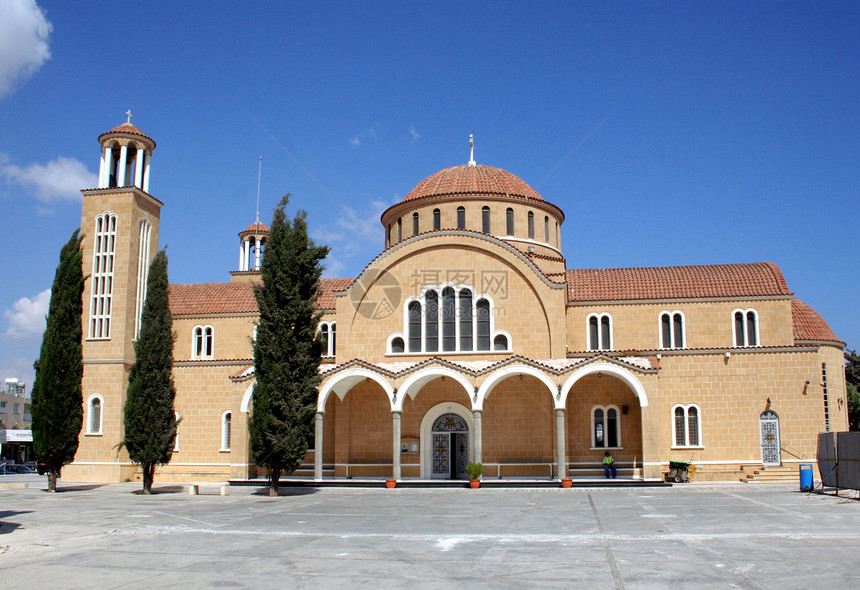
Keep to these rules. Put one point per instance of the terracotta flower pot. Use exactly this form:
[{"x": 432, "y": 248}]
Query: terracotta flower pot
[
  {"x": 474, "y": 483},
  {"x": 566, "y": 482},
  {"x": 391, "y": 483}
]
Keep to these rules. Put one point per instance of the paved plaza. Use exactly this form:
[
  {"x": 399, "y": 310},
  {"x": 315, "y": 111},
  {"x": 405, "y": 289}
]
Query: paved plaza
[{"x": 691, "y": 536}]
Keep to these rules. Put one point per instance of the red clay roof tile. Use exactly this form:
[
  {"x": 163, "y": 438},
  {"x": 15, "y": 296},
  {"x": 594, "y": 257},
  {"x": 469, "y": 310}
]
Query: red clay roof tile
[
  {"x": 809, "y": 325},
  {"x": 256, "y": 227},
  {"x": 127, "y": 128},
  {"x": 467, "y": 179},
  {"x": 675, "y": 282},
  {"x": 224, "y": 298}
]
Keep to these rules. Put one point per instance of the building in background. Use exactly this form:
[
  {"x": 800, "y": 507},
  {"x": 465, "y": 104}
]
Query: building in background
[{"x": 16, "y": 439}]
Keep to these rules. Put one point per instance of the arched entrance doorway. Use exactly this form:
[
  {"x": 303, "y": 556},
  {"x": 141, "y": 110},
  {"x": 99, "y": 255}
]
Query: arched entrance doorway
[
  {"x": 450, "y": 446},
  {"x": 769, "y": 427}
]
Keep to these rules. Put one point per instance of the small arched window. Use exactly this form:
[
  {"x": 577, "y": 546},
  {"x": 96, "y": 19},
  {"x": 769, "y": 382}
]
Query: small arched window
[
  {"x": 546, "y": 229},
  {"x": 600, "y": 331},
  {"x": 415, "y": 224},
  {"x": 226, "y": 428},
  {"x": 500, "y": 342},
  {"x": 203, "y": 342},
  {"x": 485, "y": 219},
  {"x": 94, "y": 415},
  {"x": 745, "y": 327},
  {"x": 688, "y": 425},
  {"x": 414, "y": 310},
  {"x": 461, "y": 217},
  {"x": 672, "y": 330},
  {"x": 437, "y": 219},
  {"x": 509, "y": 221},
  {"x": 328, "y": 335},
  {"x": 397, "y": 345},
  {"x": 531, "y": 225},
  {"x": 399, "y": 229},
  {"x": 605, "y": 427}
]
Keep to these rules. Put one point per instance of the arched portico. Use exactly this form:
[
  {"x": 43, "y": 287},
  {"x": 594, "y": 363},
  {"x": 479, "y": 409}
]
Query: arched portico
[
  {"x": 513, "y": 370},
  {"x": 608, "y": 369},
  {"x": 413, "y": 384},
  {"x": 342, "y": 382}
]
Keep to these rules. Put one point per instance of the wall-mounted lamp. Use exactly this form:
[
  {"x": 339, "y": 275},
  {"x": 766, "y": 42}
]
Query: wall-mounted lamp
[
  {"x": 728, "y": 354},
  {"x": 600, "y": 374},
  {"x": 521, "y": 376},
  {"x": 443, "y": 377}
]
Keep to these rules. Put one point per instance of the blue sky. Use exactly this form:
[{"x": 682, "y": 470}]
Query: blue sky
[{"x": 670, "y": 133}]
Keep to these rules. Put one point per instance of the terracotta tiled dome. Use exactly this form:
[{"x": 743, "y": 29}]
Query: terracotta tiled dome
[
  {"x": 467, "y": 179},
  {"x": 127, "y": 129}
]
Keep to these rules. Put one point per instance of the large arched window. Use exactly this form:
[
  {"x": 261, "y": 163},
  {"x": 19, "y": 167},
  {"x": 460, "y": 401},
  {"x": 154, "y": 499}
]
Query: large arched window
[
  {"x": 461, "y": 217},
  {"x": 95, "y": 409},
  {"x": 605, "y": 427},
  {"x": 672, "y": 330},
  {"x": 101, "y": 281},
  {"x": 449, "y": 319},
  {"x": 509, "y": 221},
  {"x": 600, "y": 331},
  {"x": 204, "y": 342},
  {"x": 485, "y": 219},
  {"x": 687, "y": 421}
]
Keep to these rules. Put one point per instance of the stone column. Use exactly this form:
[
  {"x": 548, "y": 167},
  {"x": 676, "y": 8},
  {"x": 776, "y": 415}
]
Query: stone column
[
  {"x": 104, "y": 168},
  {"x": 146, "y": 172},
  {"x": 121, "y": 166},
  {"x": 561, "y": 459},
  {"x": 256, "y": 253},
  {"x": 318, "y": 447},
  {"x": 396, "y": 445},
  {"x": 138, "y": 168},
  {"x": 479, "y": 436}
]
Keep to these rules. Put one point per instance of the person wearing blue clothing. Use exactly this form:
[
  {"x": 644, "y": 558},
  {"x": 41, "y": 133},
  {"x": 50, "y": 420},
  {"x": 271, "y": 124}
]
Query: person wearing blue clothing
[{"x": 608, "y": 465}]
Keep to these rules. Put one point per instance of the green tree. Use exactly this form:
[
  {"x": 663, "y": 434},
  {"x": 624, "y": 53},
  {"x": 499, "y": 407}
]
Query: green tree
[
  {"x": 150, "y": 422},
  {"x": 287, "y": 350},
  {"x": 852, "y": 376},
  {"x": 57, "y": 399}
]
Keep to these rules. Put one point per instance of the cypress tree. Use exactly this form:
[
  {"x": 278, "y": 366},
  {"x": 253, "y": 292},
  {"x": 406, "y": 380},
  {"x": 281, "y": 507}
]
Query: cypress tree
[
  {"x": 57, "y": 399},
  {"x": 150, "y": 422},
  {"x": 287, "y": 350}
]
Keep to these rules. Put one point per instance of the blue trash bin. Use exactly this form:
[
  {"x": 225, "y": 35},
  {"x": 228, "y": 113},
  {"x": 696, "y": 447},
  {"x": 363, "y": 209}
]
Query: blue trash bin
[{"x": 806, "y": 477}]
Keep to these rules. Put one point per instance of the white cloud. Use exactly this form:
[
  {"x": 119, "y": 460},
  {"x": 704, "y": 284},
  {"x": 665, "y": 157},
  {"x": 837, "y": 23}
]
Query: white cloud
[
  {"x": 352, "y": 236},
  {"x": 62, "y": 178},
  {"x": 415, "y": 135},
  {"x": 355, "y": 141},
  {"x": 369, "y": 133},
  {"x": 27, "y": 316},
  {"x": 24, "y": 48}
]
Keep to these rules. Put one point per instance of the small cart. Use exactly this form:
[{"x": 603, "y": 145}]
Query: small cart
[{"x": 680, "y": 471}]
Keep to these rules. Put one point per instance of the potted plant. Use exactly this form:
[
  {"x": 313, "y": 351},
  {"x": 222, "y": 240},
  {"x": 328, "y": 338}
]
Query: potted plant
[
  {"x": 390, "y": 483},
  {"x": 475, "y": 470},
  {"x": 566, "y": 482}
]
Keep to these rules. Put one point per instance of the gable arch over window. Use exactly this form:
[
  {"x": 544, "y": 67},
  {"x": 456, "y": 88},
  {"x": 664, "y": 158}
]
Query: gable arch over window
[
  {"x": 745, "y": 327},
  {"x": 95, "y": 413},
  {"x": 672, "y": 330},
  {"x": 203, "y": 343},
  {"x": 448, "y": 318},
  {"x": 599, "y": 327}
]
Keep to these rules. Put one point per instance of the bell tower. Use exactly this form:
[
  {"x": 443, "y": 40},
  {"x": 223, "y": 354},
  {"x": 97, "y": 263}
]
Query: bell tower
[{"x": 120, "y": 222}]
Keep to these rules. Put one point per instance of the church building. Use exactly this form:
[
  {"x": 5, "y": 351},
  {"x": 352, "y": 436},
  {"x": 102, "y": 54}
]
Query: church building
[{"x": 467, "y": 338}]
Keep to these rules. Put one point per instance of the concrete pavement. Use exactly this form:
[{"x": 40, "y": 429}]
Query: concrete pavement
[{"x": 694, "y": 536}]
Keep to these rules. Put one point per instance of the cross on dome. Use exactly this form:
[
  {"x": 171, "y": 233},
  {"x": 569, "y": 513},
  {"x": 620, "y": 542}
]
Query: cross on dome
[
  {"x": 128, "y": 112},
  {"x": 472, "y": 150}
]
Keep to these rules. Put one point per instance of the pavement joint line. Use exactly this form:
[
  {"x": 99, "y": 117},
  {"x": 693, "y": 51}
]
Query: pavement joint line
[
  {"x": 613, "y": 565},
  {"x": 767, "y": 505}
]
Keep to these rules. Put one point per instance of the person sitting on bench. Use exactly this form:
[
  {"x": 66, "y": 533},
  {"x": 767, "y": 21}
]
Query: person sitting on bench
[{"x": 608, "y": 465}]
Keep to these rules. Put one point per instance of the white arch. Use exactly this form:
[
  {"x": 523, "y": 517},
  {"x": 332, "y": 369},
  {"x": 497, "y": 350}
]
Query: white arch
[
  {"x": 426, "y": 435},
  {"x": 609, "y": 369},
  {"x": 341, "y": 383},
  {"x": 246, "y": 398},
  {"x": 505, "y": 372},
  {"x": 415, "y": 382}
]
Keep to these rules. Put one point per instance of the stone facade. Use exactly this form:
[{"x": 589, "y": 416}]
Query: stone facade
[{"x": 458, "y": 344}]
